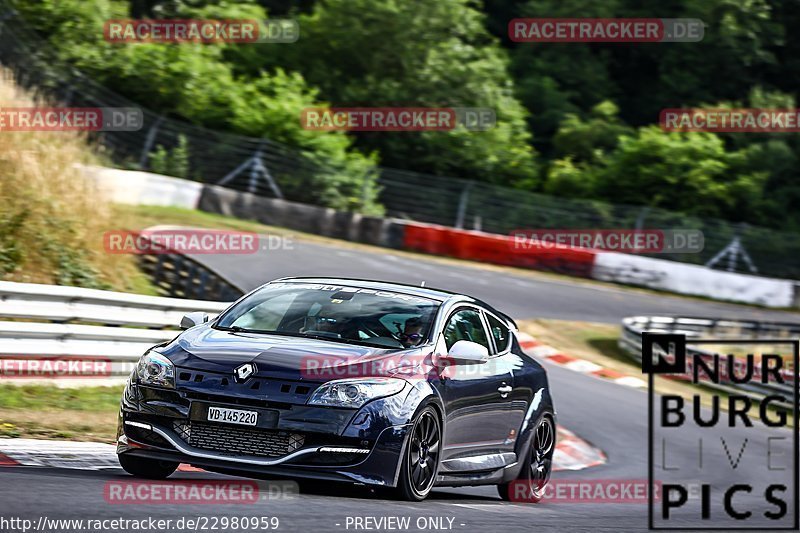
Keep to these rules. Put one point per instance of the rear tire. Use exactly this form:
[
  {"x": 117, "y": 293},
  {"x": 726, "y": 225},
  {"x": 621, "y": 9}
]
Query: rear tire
[
  {"x": 421, "y": 457},
  {"x": 146, "y": 468},
  {"x": 535, "y": 474}
]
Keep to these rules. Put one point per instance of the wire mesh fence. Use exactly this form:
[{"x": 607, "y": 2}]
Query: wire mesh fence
[
  {"x": 269, "y": 168},
  {"x": 256, "y": 165},
  {"x": 474, "y": 205}
]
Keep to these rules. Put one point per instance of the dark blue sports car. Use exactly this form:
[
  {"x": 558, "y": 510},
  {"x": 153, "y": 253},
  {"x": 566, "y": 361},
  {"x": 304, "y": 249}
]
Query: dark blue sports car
[{"x": 362, "y": 381}]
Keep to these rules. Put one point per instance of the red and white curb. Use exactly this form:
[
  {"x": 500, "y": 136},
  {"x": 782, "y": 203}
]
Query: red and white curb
[
  {"x": 62, "y": 454},
  {"x": 553, "y": 355},
  {"x": 572, "y": 453}
]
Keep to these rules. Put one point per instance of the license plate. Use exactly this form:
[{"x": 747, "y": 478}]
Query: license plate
[{"x": 232, "y": 416}]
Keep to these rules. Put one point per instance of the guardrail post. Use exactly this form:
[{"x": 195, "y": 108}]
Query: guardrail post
[
  {"x": 159, "y": 272},
  {"x": 148, "y": 143},
  {"x": 202, "y": 292},
  {"x": 462, "y": 206},
  {"x": 365, "y": 187}
]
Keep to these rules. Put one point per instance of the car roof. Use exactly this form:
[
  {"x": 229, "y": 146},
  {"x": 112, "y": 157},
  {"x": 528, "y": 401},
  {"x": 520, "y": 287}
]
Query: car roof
[
  {"x": 414, "y": 290},
  {"x": 439, "y": 295}
]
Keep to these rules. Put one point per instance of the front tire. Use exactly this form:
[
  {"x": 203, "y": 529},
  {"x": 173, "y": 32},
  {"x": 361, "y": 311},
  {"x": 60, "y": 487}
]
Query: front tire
[
  {"x": 146, "y": 468},
  {"x": 421, "y": 457},
  {"x": 535, "y": 474}
]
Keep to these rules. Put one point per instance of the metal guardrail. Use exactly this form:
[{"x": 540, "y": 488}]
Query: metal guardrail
[
  {"x": 58, "y": 322},
  {"x": 630, "y": 341}
]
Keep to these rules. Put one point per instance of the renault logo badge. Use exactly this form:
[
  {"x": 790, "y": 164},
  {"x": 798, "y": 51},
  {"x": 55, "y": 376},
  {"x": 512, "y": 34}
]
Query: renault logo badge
[{"x": 245, "y": 371}]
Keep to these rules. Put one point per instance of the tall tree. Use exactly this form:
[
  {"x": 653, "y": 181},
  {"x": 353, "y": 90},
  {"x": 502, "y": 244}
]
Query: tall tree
[{"x": 433, "y": 53}]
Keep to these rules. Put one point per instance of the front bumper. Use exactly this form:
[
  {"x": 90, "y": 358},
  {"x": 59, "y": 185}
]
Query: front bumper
[{"x": 364, "y": 446}]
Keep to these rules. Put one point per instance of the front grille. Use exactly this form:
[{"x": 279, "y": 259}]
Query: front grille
[{"x": 239, "y": 441}]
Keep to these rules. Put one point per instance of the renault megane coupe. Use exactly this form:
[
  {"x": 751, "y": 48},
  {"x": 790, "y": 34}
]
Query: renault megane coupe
[{"x": 350, "y": 380}]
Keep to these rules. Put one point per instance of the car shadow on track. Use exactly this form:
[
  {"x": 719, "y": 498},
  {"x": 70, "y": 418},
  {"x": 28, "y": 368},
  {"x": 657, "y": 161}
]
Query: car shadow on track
[
  {"x": 335, "y": 489},
  {"x": 307, "y": 487}
]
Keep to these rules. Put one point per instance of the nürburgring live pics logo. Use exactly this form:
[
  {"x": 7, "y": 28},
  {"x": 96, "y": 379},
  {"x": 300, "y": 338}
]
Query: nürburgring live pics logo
[{"x": 732, "y": 465}]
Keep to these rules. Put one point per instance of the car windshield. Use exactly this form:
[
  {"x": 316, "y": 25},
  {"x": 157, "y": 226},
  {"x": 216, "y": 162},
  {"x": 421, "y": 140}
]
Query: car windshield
[{"x": 334, "y": 312}]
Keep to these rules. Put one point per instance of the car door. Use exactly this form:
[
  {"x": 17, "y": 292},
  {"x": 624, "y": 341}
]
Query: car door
[
  {"x": 518, "y": 400},
  {"x": 476, "y": 396}
]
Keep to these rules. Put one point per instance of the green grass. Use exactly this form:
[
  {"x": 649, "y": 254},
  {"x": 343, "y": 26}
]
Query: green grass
[
  {"x": 51, "y": 397},
  {"x": 143, "y": 216},
  {"x": 48, "y": 412}
]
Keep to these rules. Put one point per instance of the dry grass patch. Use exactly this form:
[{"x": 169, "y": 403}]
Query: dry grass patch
[{"x": 53, "y": 218}]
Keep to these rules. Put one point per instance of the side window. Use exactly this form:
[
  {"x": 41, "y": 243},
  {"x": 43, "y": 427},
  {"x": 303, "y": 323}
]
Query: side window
[
  {"x": 500, "y": 332},
  {"x": 465, "y": 325}
]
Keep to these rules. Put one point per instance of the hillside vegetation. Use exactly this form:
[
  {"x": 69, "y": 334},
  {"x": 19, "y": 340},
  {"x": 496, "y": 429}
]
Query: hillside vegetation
[
  {"x": 52, "y": 218},
  {"x": 573, "y": 119}
]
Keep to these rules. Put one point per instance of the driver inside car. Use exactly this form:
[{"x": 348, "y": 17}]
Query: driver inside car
[{"x": 412, "y": 332}]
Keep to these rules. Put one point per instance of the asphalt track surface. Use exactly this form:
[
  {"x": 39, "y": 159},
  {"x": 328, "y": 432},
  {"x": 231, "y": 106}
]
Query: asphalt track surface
[
  {"x": 520, "y": 295},
  {"x": 610, "y": 416}
]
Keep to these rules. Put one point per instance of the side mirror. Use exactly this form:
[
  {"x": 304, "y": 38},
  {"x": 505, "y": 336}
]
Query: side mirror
[
  {"x": 468, "y": 352},
  {"x": 191, "y": 320}
]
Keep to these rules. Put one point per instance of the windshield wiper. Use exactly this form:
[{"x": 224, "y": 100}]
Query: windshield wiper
[
  {"x": 240, "y": 329},
  {"x": 342, "y": 340}
]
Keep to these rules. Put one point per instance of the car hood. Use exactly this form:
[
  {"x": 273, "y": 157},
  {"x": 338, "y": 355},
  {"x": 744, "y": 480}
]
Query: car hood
[{"x": 275, "y": 356}]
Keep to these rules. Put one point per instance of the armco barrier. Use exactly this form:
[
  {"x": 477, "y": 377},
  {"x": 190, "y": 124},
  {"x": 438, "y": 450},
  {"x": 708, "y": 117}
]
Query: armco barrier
[
  {"x": 67, "y": 318},
  {"x": 659, "y": 274},
  {"x": 301, "y": 217},
  {"x": 696, "y": 280},
  {"x": 144, "y": 188},
  {"x": 707, "y": 328},
  {"x": 496, "y": 249}
]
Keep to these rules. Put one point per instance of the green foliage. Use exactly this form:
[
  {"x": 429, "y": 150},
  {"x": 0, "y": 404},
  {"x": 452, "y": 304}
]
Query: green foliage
[
  {"x": 173, "y": 162},
  {"x": 590, "y": 140},
  {"x": 689, "y": 172},
  {"x": 434, "y": 53},
  {"x": 11, "y": 248},
  {"x": 197, "y": 82},
  {"x": 588, "y": 109}
]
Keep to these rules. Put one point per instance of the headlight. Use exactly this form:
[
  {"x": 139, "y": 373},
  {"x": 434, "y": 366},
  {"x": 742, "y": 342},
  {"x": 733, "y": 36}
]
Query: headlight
[
  {"x": 155, "y": 369},
  {"x": 355, "y": 392}
]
